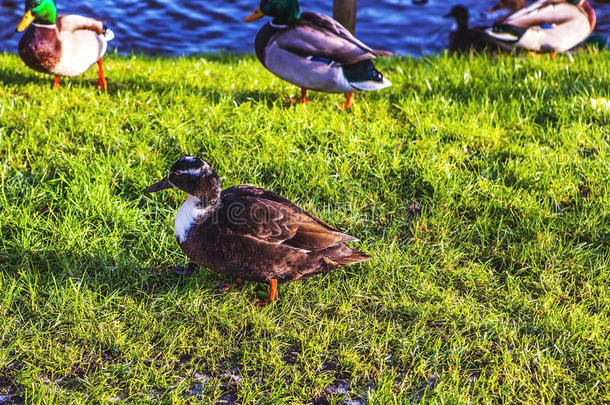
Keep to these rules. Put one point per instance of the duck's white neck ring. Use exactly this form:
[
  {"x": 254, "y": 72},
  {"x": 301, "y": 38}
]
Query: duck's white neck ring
[
  {"x": 277, "y": 25},
  {"x": 45, "y": 26}
]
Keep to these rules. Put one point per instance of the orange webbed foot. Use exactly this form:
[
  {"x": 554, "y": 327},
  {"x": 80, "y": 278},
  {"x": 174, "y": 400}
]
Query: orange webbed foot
[{"x": 302, "y": 99}]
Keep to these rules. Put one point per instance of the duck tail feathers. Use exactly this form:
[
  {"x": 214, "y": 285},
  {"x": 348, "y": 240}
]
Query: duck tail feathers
[
  {"x": 370, "y": 85},
  {"x": 341, "y": 255},
  {"x": 383, "y": 52},
  {"x": 363, "y": 76},
  {"x": 506, "y": 33},
  {"x": 355, "y": 257},
  {"x": 108, "y": 34}
]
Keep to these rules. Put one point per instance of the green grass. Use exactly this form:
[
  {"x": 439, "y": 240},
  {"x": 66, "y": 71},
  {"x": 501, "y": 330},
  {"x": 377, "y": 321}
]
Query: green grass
[{"x": 497, "y": 293}]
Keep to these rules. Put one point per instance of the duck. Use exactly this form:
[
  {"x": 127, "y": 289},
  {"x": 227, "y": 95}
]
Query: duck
[
  {"x": 465, "y": 39},
  {"x": 547, "y": 26},
  {"x": 314, "y": 52},
  {"x": 249, "y": 233},
  {"x": 64, "y": 45}
]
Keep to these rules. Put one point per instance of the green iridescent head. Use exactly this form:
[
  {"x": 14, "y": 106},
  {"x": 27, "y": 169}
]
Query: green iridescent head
[
  {"x": 38, "y": 11},
  {"x": 284, "y": 12}
]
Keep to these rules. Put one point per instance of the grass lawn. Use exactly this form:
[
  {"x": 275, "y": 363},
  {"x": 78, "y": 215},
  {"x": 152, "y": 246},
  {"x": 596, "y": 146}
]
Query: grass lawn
[{"x": 480, "y": 186}]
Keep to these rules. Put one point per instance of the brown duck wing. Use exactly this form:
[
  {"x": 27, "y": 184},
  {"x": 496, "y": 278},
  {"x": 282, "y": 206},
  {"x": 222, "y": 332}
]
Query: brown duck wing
[
  {"x": 320, "y": 36},
  {"x": 263, "y": 215},
  {"x": 73, "y": 22}
]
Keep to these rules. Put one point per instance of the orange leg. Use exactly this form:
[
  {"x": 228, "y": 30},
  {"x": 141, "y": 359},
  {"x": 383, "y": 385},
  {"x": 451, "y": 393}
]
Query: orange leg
[
  {"x": 553, "y": 55},
  {"x": 272, "y": 293},
  {"x": 100, "y": 72},
  {"x": 348, "y": 102},
  {"x": 56, "y": 82},
  {"x": 272, "y": 289},
  {"x": 304, "y": 96}
]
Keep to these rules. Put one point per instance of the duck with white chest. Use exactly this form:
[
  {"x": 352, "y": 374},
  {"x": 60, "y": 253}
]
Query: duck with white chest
[
  {"x": 64, "y": 45},
  {"x": 547, "y": 26},
  {"x": 250, "y": 233}
]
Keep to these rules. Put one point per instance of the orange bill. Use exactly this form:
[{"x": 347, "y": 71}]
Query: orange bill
[{"x": 257, "y": 14}]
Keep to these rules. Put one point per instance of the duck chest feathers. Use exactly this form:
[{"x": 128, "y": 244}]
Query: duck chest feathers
[
  {"x": 190, "y": 213},
  {"x": 40, "y": 48},
  {"x": 264, "y": 38}
]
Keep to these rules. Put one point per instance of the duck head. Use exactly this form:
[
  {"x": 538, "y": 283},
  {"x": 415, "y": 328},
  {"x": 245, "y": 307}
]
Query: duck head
[
  {"x": 39, "y": 11},
  {"x": 284, "y": 12},
  {"x": 460, "y": 14},
  {"x": 193, "y": 176}
]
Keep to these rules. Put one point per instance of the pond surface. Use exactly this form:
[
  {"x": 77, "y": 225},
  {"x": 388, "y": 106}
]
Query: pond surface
[{"x": 182, "y": 27}]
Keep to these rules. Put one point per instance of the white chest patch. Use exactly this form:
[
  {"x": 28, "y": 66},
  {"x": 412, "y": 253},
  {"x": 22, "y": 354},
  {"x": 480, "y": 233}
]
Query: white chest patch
[{"x": 187, "y": 215}]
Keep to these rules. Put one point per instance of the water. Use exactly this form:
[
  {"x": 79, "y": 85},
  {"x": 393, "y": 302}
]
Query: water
[{"x": 182, "y": 27}]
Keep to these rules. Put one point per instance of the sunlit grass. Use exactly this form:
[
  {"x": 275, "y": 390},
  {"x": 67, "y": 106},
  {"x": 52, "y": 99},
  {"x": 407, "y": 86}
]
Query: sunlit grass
[{"x": 479, "y": 185}]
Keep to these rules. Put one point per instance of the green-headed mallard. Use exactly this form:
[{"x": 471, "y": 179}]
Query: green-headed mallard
[
  {"x": 250, "y": 233},
  {"x": 314, "y": 52},
  {"x": 547, "y": 25},
  {"x": 65, "y": 45}
]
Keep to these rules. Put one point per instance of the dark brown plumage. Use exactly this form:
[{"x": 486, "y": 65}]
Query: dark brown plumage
[
  {"x": 250, "y": 233},
  {"x": 466, "y": 39}
]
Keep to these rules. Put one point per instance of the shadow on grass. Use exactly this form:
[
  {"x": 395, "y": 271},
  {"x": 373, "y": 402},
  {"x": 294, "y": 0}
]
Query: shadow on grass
[
  {"x": 115, "y": 88},
  {"x": 16, "y": 77}
]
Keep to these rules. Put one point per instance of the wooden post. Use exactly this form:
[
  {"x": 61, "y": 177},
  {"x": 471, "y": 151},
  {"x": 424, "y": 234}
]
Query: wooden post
[{"x": 344, "y": 11}]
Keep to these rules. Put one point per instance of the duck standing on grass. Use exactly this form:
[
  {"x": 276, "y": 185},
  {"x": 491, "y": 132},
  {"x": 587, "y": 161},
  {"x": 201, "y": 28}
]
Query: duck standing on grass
[
  {"x": 65, "y": 45},
  {"x": 314, "y": 52},
  {"x": 547, "y": 25},
  {"x": 246, "y": 232}
]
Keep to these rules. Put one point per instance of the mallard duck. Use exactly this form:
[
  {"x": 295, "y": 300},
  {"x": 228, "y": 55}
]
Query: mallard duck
[
  {"x": 65, "y": 45},
  {"x": 246, "y": 232},
  {"x": 314, "y": 52},
  {"x": 547, "y": 25},
  {"x": 465, "y": 39}
]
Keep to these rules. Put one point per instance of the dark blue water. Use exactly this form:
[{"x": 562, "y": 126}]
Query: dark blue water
[{"x": 181, "y": 27}]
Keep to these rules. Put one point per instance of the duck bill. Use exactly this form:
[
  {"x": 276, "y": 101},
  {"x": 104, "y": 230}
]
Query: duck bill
[
  {"x": 256, "y": 15},
  {"x": 158, "y": 186},
  {"x": 27, "y": 19}
]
